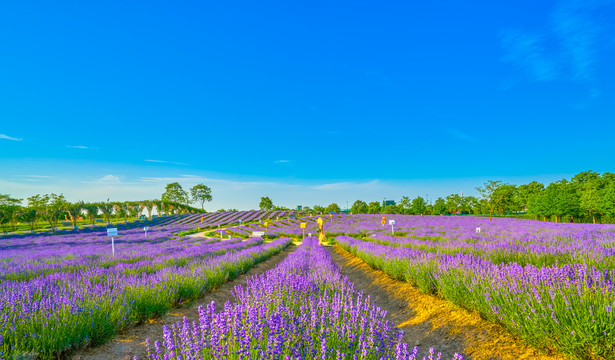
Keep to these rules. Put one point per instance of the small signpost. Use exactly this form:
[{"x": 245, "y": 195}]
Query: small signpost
[
  {"x": 303, "y": 226},
  {"x": 392, "y": 222},
  {"x": 112, "y": 232},
  {"x": 145, "y": 229},
  {"x": 266, "y": 225},
  {"x": 257, "y": 234},
  {"x": 478, "y": 230}
]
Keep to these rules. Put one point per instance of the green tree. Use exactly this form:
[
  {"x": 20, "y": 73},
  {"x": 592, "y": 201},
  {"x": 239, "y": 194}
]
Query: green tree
[
  {"x": 29, "y": 215},
  {"x": 567, "y": 200},
  {"x": 9, "y": 211},
  {"x": 524, "y": 192},
  {"x": 319, "y": 208},
  {"x": 174, "y": 192},
  {"x": 201, "y": 193},
  {"x": 266, "y": 204},
  {"x": 107, "y": 210},
  {"x": 591, "y": 198},
  {"x": 92, "y": 210},
  {"x": 374, "y": 207},
  {"x": 392, "y": 209},
  {"x": 54, "y": 205},
  {"x": 333, "y": 208},
  {"x": 359, "y": 207},
  {"x": 453, "y": 203},
  {"x": 418, "y": 206},
  {"x": 608, "y": 199},
  {"x": 74, "y": 210},
  {"x": 498, "y": 195},
  {"x": 405, "y": 205},
  {"x": 439, "y": 207}
]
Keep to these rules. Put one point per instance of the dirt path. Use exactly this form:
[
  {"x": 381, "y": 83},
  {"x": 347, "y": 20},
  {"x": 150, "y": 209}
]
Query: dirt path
[
  {"x": 429, "y": 321},
  {"x": 132, "y": 342}
]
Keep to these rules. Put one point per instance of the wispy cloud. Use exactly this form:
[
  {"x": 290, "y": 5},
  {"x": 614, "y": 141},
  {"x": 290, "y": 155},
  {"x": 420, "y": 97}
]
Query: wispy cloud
[
  {"x": 281, "y": 161},
  {"x": 80, "y": 147},
  {"x": 567, "y": 48},
  {"x": 460, "y": 135},
  {"x": 527, "y": 51},
  {"x": 112, "y": 179},
  {"x": 32, "y": 178},
  {"x": 6, "y": 137},
  {"x": 346, "y": 185},
  {"x": 165, "y": 162}
]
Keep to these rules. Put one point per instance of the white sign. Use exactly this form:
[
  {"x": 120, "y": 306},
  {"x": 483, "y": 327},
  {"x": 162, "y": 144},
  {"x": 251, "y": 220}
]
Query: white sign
[
  {"x": 258, "y": 233},
  {"x": 146, "y": 228},
  {"x": 478, "y": 230},
  {"x": 112, "y": 232},
  {"x": 391, "y": 222}
]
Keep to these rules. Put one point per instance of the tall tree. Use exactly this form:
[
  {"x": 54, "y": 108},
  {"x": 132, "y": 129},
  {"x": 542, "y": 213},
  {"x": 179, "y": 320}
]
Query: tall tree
[
  {"x": 405, "y": 205},
  {"x": 418, "y": 206},
  {"x": 74, "y": 210},
  {"x": 107, "y": 210},
  {"x": 92, "y": 210},
  {"x": 333, "y": 208},
  {"x": 608, "y": 199},
  {"x": 590, "y": 198},
  {"x": 524, "y": 192},
  {"x": 266, "y": 204},
  {"x": 201, "y": 193},
  {"x": 359, "y": 207},
  {"x": 54, "y": 205},
  {"x": 374, "y": 207},
  {"x": 439, "y": 207},
  {"x": 9, "y": 210},
  {"x": 175, "y": 193},
  {"x": 496, "y": 194}
]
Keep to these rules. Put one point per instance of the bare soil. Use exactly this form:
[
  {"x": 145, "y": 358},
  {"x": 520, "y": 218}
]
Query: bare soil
[
  {"x": 429, "y": 321},
  {"x": 132, "y": 341}
]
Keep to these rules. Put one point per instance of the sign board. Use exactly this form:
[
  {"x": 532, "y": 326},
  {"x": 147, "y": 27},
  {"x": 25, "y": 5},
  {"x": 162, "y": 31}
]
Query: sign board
[
  {"x": 146, "y": 228},
  {"x": 303, "y": 225},
  {"x": 391, "y": 222},
  {"x": 258, "y": 233},
  {"x": 266, "y": 224},
  {"x": 478, "y": 230},
  {"x": 112, "y": 232}
]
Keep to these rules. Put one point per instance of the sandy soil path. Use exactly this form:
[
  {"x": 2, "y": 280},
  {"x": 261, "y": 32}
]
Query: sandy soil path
[
  {"x": 132, "y": 342},
  {"x": 429, "y": 321}
]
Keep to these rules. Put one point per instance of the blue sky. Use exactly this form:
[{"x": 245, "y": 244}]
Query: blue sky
[{"x": 306, "y": 102}]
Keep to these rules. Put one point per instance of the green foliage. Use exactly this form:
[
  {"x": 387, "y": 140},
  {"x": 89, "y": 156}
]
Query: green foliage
[
  {"x": 201, "y": 193},
  {"x": 374, "y": 207},
  {"x": 359, "y": 207},
  {"x": 418, "y": 206},
  {"x": 174, "y": 193},
  {"x": 439, "y": 207},
  {"x": 333, "y": 208},
  {"x": 266, "y": 204}
]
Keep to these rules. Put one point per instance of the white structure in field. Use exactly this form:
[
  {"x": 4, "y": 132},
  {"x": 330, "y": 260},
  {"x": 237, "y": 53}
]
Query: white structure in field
[{"x": 478, "y": 230}]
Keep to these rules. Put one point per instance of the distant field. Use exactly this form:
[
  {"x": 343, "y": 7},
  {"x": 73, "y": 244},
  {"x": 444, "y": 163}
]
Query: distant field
[{"x": 549, "y": 284}]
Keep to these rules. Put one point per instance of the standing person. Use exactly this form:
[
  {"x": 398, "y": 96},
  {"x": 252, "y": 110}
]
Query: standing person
[
  {"x": 383, "y": 220},
  {"x": 321, "y": 235}
]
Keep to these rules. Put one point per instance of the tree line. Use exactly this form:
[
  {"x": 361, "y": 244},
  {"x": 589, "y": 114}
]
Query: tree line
[
  {"x": 51, "y": 209},
  {"x": 586, "y": 197}
]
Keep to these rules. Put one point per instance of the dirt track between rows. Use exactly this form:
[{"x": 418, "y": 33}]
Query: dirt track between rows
[
  {"x": 429, "y": 321},
  {"x": 132, "y": 341}
]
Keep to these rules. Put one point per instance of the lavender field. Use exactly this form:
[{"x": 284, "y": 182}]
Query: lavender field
[{"x": 548, "y": 284}]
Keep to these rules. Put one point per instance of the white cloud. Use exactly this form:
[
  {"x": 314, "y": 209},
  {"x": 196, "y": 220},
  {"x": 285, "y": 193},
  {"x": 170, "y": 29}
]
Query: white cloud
[
  {"x": 80, "y": 147},
  {"x": 109, "y": 179},
  {"x": 281, "y": 161},
  {"x": 6, "y": 137},
  {"x": 165, "y": 162}
]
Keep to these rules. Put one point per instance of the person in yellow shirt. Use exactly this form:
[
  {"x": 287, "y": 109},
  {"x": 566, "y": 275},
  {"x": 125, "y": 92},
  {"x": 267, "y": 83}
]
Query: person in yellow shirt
[{"x": 383, "y": 220}]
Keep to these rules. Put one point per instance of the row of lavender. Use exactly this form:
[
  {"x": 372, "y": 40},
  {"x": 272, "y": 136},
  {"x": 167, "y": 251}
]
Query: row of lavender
[
  {"x": 303, "y": 309},
  {"x": 565, "y": 305},
  {"x": 66, "y": 293}
]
